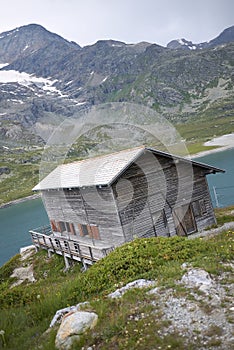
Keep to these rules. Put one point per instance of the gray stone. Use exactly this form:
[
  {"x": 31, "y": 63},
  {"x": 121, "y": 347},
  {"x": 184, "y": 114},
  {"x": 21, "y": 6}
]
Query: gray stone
[
  {"x": 22, "y": 274},
  {"x": 198, "y": 278},
  {"x": 28, "y": 251},
  {"x": 141, "y": 283},
  {"x": 72, "y": 326},
  {"x": 154, "y": 291},
  {"x": 60, "y": 313}
]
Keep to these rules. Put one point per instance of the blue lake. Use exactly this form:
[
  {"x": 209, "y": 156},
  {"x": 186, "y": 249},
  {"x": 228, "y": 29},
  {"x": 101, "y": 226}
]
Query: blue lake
[
  {"x": 221, "y": 185},
  {"x": 17, "y": 220}
]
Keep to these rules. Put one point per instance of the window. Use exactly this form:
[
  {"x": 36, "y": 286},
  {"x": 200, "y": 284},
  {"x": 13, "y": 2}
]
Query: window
[
  {"x": 199, "y": 208},
  {"x": 89, "y": 230},
  {"x": 83, "y": 230},
  {"x": 62, "y": 226},
  {"x": 202, "y": 206}
]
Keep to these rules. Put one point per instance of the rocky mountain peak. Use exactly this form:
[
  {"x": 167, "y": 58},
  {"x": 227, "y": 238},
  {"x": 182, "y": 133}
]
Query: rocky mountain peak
[
  {"x": 25, "y": 40},
  {"x": 111, "y": 43},
  {"x": 181, "y": 44},
  {"x": 227, "y": 36}
]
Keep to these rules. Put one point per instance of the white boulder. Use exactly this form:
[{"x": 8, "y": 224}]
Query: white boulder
[{"x": 72, "y": 326}]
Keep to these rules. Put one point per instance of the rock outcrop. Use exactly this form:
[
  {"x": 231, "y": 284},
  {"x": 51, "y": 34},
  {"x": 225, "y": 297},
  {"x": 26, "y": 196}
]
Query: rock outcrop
[{"x": 72, "y": 326}]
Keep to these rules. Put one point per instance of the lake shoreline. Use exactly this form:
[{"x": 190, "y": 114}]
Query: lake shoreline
[
  {"x": 20, "y": 200},
  {"x": 210, "y": 151},
  {"x": 223, "y": 143}
]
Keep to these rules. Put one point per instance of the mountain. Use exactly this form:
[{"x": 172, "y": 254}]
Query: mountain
[
  {"x": 45, "y": 79},
  {"x": 227, "y": 36},
  {"x": 24, "y": 41}
]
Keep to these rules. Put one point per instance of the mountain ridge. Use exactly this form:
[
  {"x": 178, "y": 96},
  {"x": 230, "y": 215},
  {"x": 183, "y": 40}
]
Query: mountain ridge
[
  {"x": 226, "y": 36},
  {"x": 61, "y": 78}
]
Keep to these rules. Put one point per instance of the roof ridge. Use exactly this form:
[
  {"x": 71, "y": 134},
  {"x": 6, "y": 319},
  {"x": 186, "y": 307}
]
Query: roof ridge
[{"x": 104, "y": 155}]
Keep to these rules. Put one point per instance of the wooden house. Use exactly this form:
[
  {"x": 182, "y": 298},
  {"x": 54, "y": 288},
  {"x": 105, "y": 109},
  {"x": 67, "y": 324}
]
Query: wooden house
[{"x": 97, "y": 204}]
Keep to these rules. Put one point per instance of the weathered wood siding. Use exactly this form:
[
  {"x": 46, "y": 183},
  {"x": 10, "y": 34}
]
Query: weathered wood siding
[
  {"x": 201, "y": 193},
  {"x": 141, "y": 199},
  {"x": 89, "y": 206},
  {"x": 147, "y": 195}
]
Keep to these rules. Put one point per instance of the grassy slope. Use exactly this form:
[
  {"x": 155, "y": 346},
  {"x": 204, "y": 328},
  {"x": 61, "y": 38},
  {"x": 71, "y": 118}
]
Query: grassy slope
[
  {"x": 24, "y": 174},
  {"x": 26, "y": 310}
]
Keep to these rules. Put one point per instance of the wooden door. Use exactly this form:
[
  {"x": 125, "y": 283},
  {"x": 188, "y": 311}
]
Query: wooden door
[{"x": 184, "y": 220}]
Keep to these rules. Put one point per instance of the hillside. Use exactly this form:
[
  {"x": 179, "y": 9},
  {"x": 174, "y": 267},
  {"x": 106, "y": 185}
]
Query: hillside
[{"x": 175, "y": 314}]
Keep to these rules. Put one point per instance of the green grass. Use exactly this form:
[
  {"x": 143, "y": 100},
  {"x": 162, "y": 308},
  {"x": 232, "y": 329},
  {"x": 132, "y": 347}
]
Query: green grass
[
  {"x": 24, "y": 177},
  {"x": 27, "y": 310},
  {"x": 224, "y": 215},
  {"x": 205, "y": 129},
  {"x": 196, "y": 147},
  {"x": 24, "y": 174}
]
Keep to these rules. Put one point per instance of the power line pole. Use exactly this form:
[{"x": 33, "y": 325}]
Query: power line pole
[{"x": 216, "y": 197}]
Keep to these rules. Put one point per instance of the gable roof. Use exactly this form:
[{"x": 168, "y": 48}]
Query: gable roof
[
  {"x": 102, "y": 170},
  {"x": 90, "y": 172}
]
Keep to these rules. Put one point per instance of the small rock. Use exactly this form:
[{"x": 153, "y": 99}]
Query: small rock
[
  {"x": 22, "y": 274},
  {"x": 185, "y": 265},
  {"x": 197, "y": 278},
  {"x": 154, "y": 291},
  {"x": 28, "y": 251},
  {"x": 141, "y": 283}
]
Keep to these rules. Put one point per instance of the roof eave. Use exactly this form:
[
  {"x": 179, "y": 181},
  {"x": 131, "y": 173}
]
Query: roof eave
[{"x": 187, "y": 160}]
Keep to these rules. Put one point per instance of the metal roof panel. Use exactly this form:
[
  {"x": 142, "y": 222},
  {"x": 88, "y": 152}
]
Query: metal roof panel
[
  {"x": 102, "y": 170},
  {"x": 89, "y": 172}
]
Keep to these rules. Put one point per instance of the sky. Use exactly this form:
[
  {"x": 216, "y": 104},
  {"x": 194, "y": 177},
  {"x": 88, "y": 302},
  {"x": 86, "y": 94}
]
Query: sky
[{"x": 130, "y": 21}]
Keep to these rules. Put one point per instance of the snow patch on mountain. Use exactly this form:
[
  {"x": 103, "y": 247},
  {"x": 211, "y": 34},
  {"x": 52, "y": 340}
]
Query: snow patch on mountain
[
  {"x": 2, "y": 65},
  {"x": 25, "y": 79}
]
